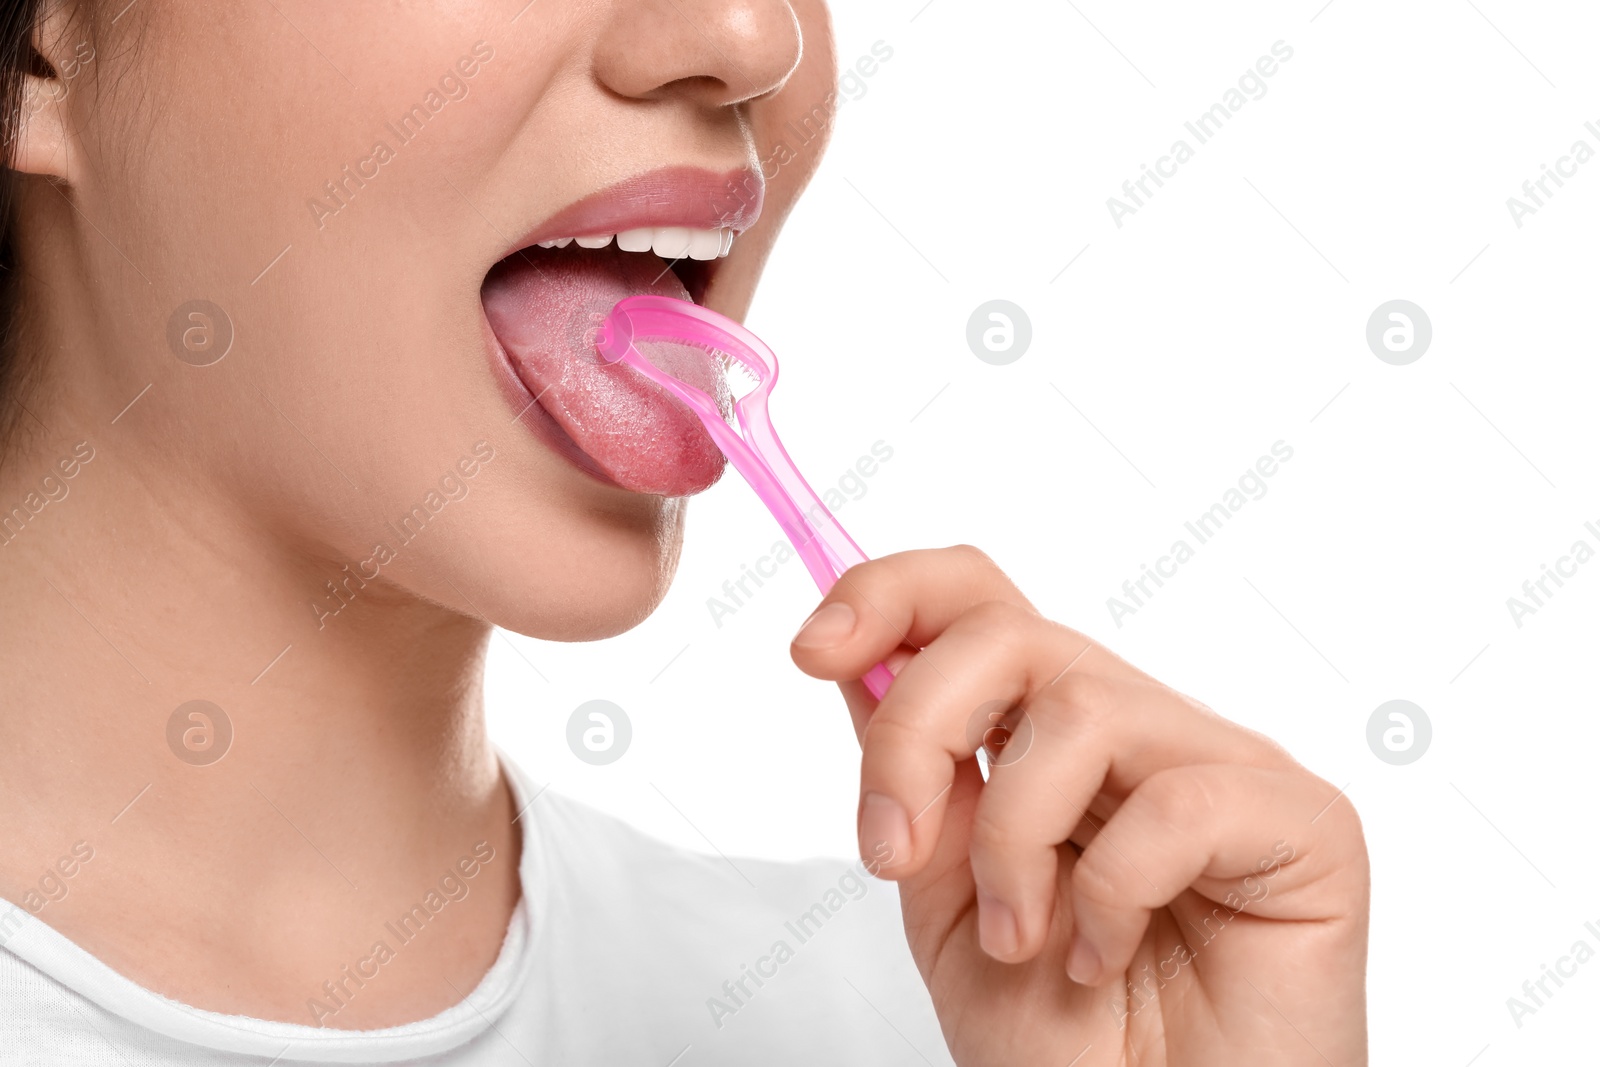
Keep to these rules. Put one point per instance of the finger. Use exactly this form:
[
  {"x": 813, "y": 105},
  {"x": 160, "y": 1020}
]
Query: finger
[
  {"x": 861, "y": 704},
  {"x": 939, "y": 899},
  {"x": 1082, "y": 740},
  {"x": 1095, "y": 816},
  {"x": 1090, "y": 733},
  {"x": 905, "y": 599},
  {"x": 860, "y": 701},
  {"x": 1205, "y": 826},
  {"x": 988, "y": 658}
]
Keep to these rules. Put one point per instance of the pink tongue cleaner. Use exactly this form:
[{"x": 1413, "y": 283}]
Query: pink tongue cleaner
[{"x": 545, "y": 308}]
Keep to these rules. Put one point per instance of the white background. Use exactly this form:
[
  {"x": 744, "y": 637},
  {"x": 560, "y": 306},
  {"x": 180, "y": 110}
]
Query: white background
[{"x": 1227, "y": 314}]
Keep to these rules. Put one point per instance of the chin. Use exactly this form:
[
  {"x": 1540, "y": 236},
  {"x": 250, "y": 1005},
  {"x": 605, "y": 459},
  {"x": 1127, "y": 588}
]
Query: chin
[{"x": 606, "y": 572}]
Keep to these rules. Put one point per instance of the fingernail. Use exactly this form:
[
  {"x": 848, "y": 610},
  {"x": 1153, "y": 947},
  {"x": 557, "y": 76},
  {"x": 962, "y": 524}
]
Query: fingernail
[
  {"x": 1083, "y": 962},
  {"x": 828, "y": 626},
  {"x": 896, "y": 661},
  {"x": 997, "y": 926},
  {"x": 885, "y": 832}
]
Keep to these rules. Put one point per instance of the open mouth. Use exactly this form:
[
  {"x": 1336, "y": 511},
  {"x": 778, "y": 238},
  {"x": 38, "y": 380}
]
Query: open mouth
[
  {"x": 690, "y": 254},
  {"x": 664, "y": 233}
]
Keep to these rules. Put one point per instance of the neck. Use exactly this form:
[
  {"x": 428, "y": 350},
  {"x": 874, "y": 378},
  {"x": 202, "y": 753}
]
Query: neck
[{"x": 357, "y": 770}]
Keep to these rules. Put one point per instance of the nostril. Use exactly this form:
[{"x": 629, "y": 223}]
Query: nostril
[
  {"x": 715, "y": 53},
  {"x": 696, "y": 86}
]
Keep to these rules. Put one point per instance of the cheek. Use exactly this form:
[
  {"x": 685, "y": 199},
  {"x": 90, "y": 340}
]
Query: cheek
[
  {"x": 213, "y": 188},
  {"x": 351, "y": 285},
  {"x": 807, "y": 96},
  {"x": 348, "y": 278}
]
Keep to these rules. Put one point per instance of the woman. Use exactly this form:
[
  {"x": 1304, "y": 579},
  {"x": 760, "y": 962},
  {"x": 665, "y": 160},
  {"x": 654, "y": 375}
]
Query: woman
[{"x": 299, "y": 405}]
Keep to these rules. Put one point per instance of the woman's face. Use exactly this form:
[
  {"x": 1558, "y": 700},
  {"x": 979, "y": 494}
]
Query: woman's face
[{"x": 347, "y": 188}]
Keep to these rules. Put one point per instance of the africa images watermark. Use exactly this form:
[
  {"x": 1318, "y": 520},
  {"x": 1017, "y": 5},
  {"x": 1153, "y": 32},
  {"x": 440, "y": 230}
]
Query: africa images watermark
[
  {"x": 1203, "y": 528},
  {"x": 1566, "y": 167},
  {"x": 452, "y": 887},
  {"x": 338, "y": 193},
  {"x": 1202, "y": 128},
  {"x": 355, "y": 576},
  {"x": 1566, "y": 567},
  {"x": 849, "y": 486},
  {"x": 53, "y": 488},
  {"x": 53, "y": 90},
  {"x": 740, "y": 196},
  {"x": 52, "y": 886},
  {"x": 1566, "y": 967},
  {"x": 737, "y": 992},
  {"x": 1145, "y": 985}
]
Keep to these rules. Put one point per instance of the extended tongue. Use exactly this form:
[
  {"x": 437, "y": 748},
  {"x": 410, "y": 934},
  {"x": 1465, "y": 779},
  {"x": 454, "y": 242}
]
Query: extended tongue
[{"x": 544, "y": 307}]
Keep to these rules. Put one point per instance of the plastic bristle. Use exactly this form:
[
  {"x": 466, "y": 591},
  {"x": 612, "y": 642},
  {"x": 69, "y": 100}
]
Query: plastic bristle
[{"x": 729, "y": 363}]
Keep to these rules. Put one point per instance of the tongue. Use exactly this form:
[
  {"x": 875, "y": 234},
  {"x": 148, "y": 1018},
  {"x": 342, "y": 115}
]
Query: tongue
[{"x": 544, "y": 306}]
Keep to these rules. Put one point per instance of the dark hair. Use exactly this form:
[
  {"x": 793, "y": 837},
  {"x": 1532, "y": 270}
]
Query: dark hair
[{"x": 18, "y": 58}]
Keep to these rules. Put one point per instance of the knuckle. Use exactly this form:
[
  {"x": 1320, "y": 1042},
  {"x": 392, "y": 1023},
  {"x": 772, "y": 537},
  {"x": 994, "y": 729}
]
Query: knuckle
[
  {"x": 866, "y": 575},
  {"x": 1077, "y": 690},
  {"x": 1340, "y": 815},
  {"x": 1094, "y": 880},
  {"x": 1178, "y": 798},
  {"x": 993, "y": 834},
  {"x": 1350, "y": 819},
  {"x": 887, "y": 738},
  {"x": 972, "y": 556},
  {"x": 1084, "y": 698},
  {"x": 996, "y": 618}
]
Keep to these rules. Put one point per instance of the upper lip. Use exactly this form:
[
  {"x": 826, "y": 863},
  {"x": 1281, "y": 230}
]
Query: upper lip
[{"x": 692, "y": 197}]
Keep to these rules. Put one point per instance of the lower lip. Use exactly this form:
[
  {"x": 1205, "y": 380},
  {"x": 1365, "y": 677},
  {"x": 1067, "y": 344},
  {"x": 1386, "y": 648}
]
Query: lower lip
[{"x": 606, "y": 420}]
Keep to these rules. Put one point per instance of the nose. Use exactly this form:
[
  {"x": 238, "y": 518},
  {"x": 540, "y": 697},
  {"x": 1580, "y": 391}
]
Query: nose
[{"x": 712, "y": 52}]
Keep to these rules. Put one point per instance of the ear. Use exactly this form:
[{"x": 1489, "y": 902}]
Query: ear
[
  {"x": 42, "y": 145},
  {"x": 43, "y": 142}
]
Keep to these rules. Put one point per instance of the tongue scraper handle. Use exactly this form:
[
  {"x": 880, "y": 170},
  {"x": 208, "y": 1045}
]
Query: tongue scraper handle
[{"x": 827, "y": 550}]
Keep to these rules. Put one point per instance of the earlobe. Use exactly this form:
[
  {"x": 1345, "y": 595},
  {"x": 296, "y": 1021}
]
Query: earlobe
[{"x": 42, "y": 143}]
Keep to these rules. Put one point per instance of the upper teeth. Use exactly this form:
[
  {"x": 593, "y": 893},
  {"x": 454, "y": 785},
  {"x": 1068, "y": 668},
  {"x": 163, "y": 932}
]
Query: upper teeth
[{"x": 668, "y": 242}]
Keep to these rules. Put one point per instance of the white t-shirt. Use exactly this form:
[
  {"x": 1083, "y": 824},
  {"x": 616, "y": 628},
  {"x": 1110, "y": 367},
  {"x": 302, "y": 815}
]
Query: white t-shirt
[{"x": 622, "y": 950}]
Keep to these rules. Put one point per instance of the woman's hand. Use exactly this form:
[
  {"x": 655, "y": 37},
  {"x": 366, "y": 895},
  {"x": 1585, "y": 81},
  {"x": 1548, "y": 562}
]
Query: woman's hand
[{"x": 1138, "y": 882}]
